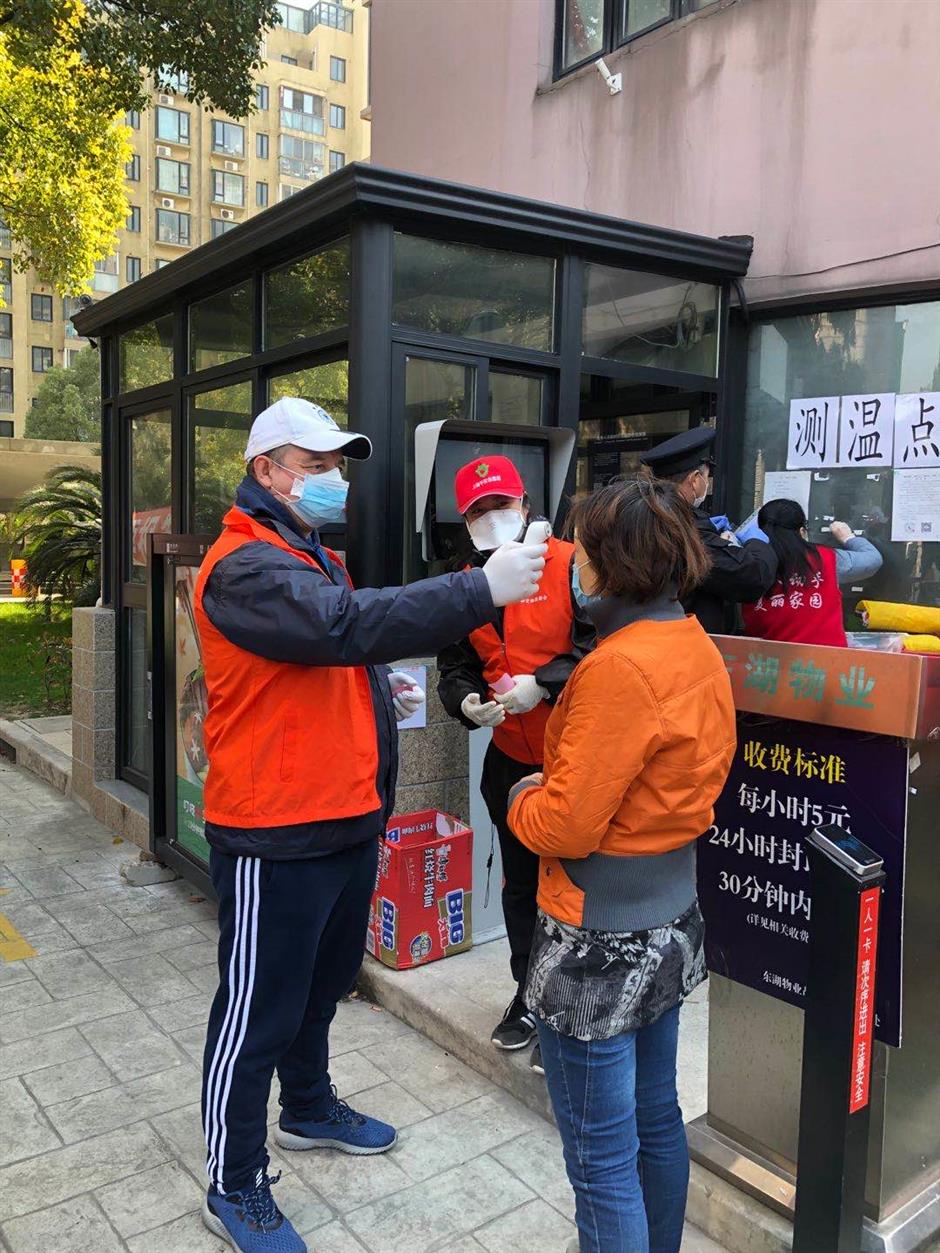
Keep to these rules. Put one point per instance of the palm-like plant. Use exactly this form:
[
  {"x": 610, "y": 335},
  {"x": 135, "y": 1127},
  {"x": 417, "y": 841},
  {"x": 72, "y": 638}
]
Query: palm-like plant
[{"x": 58, "y": 525}]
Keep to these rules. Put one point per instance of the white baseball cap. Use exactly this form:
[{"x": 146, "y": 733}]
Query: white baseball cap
[{"x": 292, "y": 420}]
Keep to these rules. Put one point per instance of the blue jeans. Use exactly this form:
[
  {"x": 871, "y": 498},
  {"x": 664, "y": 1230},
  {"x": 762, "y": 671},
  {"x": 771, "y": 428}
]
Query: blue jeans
[{"x": 617, "y": 1109}]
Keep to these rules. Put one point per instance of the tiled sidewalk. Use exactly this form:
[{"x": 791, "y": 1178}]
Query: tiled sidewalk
[{"x": 100, "y": 1045}]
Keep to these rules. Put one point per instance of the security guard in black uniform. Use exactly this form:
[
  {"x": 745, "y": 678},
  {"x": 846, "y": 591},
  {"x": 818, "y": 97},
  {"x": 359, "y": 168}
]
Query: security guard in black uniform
[{"x": 741, "y": 572}]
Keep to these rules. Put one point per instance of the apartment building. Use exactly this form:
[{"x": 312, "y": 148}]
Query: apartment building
[{"x": 196, "y": 174}]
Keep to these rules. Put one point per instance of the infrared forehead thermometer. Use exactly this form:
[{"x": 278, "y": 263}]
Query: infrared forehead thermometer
[{"x": 537, "y": 533}]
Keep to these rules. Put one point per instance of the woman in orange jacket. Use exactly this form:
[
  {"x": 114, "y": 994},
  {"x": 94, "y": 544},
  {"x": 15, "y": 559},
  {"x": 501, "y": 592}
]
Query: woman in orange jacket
[{"x": 636, "y": 752}]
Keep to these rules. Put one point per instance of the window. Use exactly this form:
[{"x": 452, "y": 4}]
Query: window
[
  {"x": 6, "y": 428},
  {"x": 71, "y": 356},
  {"x": 336, "y": 16},
  {"x": 221, "y": 228},
  {"x": 288, "y": 60},
  {"x": 285, "y": 191},
  {"x": 172, "y": 227},
  {"x": 337, "y": 117},
  {"x": 105, "y": 277},
  {"x": 262, "y": 146},
  {"x": 262, "y": 97},
  {"x": 132, "y": 169},
  {"x": 5, "y": 239},
  {"x": 149, "y": 492},
  {"x": 146, "y": 353},
  {"x": 228, "y": 188},
  {"x": 133, "y": 221},
  {"x": 261, "y": 195},
  {"x": 338, "y": 69},
  {"x": 6, "y": 336},
  {"x": 228, "y": 137},
  {"x": 586, "y": 29},
  {"x": 337, "y": 161},
  {"x": 220, "y": 422},
  {"x": 476, "y": 293},
  {"x": 300, "y": 158},
  {"x": 132, "y": 269},
  {"x": 302, "y": 111},
  {"x": 70, "y": 305},
  {"x": 176, "y": 82},
  {"x": 173, "y": 176},
  {"x": 307, "y": 297},
  {"x": 42, "y": 360},
  {"x": 41, "y": 308},
  {"x": 172, "y": 125},
  {"x": 132, "y": 119},
  {"x": 6, "y": 280},
  {"x": 326, "y": 385},
  {"x": 6, "y": 390},
  {"x": 220, "y": 327},
  {"x": 160, "y": 263},
  {"x": 293, "y": 18}
]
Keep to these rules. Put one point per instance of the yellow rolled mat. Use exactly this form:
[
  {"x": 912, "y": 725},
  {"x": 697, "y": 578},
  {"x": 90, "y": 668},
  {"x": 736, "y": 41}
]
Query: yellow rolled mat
[
  {"x": 881, "y": 615},
  {"x": 921, "y": 644}
]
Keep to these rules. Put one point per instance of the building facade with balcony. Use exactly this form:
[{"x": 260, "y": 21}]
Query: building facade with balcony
[{"x": 195, "y": 175}]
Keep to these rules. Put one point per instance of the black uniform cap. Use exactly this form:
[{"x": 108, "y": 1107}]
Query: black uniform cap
[{"x": 685, "y": 451}]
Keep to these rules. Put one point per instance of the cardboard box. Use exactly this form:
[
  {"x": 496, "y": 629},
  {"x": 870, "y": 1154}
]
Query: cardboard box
[{"x": 421, "y": 907}]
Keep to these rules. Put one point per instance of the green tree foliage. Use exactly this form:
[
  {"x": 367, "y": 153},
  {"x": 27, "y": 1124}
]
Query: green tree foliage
[
  {"x": 69, "y": 71},
  {"x": 58, "y": 528},
  {"x": 68, "y": 402}
]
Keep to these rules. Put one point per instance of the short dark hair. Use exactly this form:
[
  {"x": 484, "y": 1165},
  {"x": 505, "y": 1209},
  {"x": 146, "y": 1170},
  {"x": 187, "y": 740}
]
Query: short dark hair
[
  {"x": 641, "y": 540},
  {"x": 274, "y": 453}
]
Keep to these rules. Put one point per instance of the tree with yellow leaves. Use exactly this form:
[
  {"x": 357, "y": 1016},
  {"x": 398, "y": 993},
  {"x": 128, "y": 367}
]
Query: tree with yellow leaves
[{"x": 69, "y": 71}]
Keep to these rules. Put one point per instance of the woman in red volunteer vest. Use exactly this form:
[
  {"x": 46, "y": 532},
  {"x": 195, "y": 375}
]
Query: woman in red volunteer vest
[
  {"x": 507, "y": 675},
  {"x": 805, "y": 604}
]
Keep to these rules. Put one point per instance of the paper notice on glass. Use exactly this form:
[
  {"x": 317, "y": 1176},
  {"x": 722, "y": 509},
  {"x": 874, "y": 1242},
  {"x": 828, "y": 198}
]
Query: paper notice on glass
[
  {"x": 788, "y": 485},
  {"x": 813, "y": 440},
  {"x": 917, "y": 430},
  {"x": 915, "y": 510},
  {"x": 866, "y": 430}
]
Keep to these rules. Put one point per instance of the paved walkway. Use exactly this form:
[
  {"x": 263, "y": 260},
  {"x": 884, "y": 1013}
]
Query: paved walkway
[{"x": 100, "y": 1044}]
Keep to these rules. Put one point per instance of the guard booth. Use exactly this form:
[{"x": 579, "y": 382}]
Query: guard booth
[{"x": 392, "y": 301}]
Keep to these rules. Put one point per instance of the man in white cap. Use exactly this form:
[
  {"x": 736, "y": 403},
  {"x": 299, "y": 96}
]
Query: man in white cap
[{"x": 302, "y": 746}]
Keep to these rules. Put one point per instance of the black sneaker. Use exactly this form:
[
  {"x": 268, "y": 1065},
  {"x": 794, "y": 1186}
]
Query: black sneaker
[
  {"x": 535, "y": 1061},
  {"x": 517, "y": 1027}
]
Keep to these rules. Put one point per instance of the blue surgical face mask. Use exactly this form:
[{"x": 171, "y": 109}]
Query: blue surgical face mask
[
  {"x": 580, "y": 595},
  {"x": 318, "y": 499}
]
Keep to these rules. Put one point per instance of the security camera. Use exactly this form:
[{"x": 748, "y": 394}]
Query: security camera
[
  {"x": 614, "y": 81},
  {"x": 85, "y": 301}
]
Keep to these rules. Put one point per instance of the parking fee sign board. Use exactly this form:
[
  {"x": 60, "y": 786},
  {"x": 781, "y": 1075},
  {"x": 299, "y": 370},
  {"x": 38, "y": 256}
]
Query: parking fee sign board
[{"x": 753, "y": 872}]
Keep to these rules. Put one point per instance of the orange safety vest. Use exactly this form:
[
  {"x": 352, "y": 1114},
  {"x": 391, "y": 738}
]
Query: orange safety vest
[
  {"x": 286, "y": 743},
  {"x": 534, "y": 631}
]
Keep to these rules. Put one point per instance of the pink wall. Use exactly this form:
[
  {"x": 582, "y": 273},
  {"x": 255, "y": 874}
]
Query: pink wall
[{"x": 810, "y": 124}]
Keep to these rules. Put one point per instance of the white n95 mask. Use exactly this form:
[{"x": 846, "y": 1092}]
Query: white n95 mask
[{"x": 499, "y": 526}]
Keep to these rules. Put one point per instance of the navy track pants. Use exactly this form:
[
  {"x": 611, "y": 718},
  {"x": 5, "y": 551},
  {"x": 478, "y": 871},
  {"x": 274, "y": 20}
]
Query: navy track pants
[{"x": 291, "y": 941}]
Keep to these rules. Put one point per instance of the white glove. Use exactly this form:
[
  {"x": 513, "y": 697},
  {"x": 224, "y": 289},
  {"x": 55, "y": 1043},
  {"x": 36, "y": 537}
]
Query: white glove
[
  {"x": 524, "y": 696},
  {"x": 513, "y": 572},
  {"x": 841, "y": 531},
  {"x": 407, "y": 697},
  {"x": 487, "y": 714}
]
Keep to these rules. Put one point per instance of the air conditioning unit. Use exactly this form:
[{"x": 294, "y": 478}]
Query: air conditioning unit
[
  {"x": 165, "y": 99},
  {"x": 167, "y": 203},
  {"x": 163, "y": 151},
  {"x": 227, "y": 215},
  {"x": 231, "y": 165}
]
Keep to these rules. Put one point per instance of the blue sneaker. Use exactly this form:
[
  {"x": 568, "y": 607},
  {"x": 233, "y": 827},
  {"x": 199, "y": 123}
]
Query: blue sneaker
[
  {"x": 342, "y": 1129},
  {"x": 251, "y": 1221}
]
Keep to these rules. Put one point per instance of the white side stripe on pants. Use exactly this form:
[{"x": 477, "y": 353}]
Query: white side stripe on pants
[{"x": 241, "y": 978}]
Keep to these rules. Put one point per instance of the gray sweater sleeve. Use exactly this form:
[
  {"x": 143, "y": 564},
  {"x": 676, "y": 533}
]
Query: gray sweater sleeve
[{"x": 858, "y": 560}]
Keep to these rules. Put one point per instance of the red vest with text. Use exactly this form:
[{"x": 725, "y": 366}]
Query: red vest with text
[
  {"x": 806, "y": 611},
  {"x": 534, "y": 631},
  {"x": 286, "y": 743}
]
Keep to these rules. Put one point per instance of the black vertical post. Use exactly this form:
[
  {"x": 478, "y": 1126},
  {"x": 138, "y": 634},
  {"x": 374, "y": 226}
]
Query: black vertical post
[
  {"x": 837, "y": 1042},
  {"x": 568, "y": 323}
]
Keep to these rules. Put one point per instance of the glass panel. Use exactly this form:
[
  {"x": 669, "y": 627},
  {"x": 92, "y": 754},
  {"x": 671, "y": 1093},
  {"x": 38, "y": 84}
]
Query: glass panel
[
  {"x": 220, "y": 421},
  {"x": 583, "y": 34},
  {"x": 137, "y": 732},
  {"x": 515, "y": 398},
  {"x": 639, "y": 14},
  {"x": 147, "y": 354},
  {"x": 651, "y": 320},
  {"x": 610, "y": 447},
  {"x": 220, "y": 327},
  {"x": 477, "y": 293},
  {"x": 884, "y": 351},
  {"x": 326, "y": 385},
  {"x": 150, "y": 489},
  {"x": 307, "y": 297},
  {"x": 433, "y": 390}
]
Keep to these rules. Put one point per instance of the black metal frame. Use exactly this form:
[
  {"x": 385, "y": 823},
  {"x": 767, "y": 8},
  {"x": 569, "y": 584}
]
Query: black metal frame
[
  {"x": 613, "y": 23},
  {"x": 367, "y": 205}
]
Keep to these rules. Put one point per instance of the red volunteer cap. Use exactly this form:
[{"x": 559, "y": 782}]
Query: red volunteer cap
[{"x": 487, "y": 476}]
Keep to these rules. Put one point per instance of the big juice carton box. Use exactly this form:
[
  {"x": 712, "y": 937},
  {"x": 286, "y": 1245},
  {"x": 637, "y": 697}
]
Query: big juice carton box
[{"x": 421, "y": 907}]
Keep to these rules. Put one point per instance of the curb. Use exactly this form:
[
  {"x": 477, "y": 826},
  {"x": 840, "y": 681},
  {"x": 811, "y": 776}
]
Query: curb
[{"x": 34, "y": 754}]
